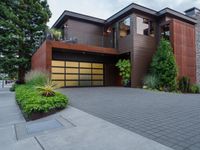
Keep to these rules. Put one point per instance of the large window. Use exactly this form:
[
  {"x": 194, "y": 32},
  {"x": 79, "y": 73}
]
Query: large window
[
  {"x": 68, "y": 73},
  {"x": 145, "y": 26},
  {"x": 124, "y": 27},
  {"x": 165, "y": 31}
]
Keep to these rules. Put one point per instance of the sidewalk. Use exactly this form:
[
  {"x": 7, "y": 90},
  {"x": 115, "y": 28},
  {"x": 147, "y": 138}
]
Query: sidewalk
[{"x": 69, "y": 129}]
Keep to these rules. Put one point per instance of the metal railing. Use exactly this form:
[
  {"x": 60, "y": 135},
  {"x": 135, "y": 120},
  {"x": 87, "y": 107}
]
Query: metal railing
[{"x": 81, "y": 38}]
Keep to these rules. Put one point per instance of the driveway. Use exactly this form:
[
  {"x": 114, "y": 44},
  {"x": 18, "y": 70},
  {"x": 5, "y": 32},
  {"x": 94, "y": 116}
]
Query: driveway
[{"x": 170, "y": 119}]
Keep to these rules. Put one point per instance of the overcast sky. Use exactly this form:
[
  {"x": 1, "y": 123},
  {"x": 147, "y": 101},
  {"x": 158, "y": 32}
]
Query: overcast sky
[{"x": 105, "y": 8}]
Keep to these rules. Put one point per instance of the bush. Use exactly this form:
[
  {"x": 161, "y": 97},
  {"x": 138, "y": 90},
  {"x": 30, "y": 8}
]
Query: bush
[
  {"x": 125, "y": 70},
  {"x": 164, "y": 66},
  {"x": 31, "y": 101},
  {"x": 56, "y": 34},
  {"x": 36, "y": 78},
  {"x": 151, "y": 81},
  {"x": 12, "y": 89},
  {"x": 184, "y": 84},
  {"x": 195, "y": 88}
]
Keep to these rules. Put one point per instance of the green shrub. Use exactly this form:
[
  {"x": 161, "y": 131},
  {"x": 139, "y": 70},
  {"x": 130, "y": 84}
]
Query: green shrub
[
  {"x": 56, "y": 34},
  {"x": 31, "y": 101},
  {"x": 164, "y": 66},
  {"x": 151, "y": 81},
  {"x": 12, "y": 89},
  {"x": 36, "y": 78},
  {"x": 124, "y": 66},
  {"x": 195, "y": 88},
  {"x": 184, "y": 84}
]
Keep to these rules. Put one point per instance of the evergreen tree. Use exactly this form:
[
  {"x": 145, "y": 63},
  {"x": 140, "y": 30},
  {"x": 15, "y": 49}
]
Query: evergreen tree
[
  {"x": 22, "y": 26},
  {"x": 164, "y": 66}
]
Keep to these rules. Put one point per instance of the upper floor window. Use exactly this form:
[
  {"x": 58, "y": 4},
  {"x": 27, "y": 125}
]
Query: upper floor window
[
  {"x": 124, "y": 27},
  {"x": 145, "y": 26},
  {"x": 165, "y": 31}
]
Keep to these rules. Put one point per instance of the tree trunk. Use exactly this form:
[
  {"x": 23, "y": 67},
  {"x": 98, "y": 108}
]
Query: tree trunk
[{"x": 21, "y": 75}]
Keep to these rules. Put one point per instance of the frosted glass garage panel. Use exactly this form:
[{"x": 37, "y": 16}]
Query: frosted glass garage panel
[
  {"x": 71, "y": 70},
  {"x": 97, "y": 65},
  {"x": 57, "y": 70},
  {"x": 85, "y": 71},
  {"x": 85, "y": 83},
  {"x": 71, "y": 64},
  {"x": 85, "y": 65},
  {"x": 97, "y": 83},
  {"x": 58, "y": 63},
  {"x": 97, "y": 71},
  {"x": 71, "y": 77},
  {"x": 57, "y": 76},
  {"x": 72, "y": 83},
  {"x": 85, "y": 77},
  {"x": 97, "y": 77}
]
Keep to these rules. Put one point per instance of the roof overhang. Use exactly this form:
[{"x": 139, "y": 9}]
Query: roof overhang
[
  {"x": 69, "y": 14},
  {"x": 130, "y": 8},
  {"x": 176, "y": 14}
]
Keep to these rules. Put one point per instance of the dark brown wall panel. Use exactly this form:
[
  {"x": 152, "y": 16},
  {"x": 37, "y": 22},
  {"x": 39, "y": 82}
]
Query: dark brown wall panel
[
  {"x": 144, "y": 49},
  {"x": 126, "y": 44},
  {"x": 86, "y": 33},
  {"x": 112, "y": 75},
  {"x": 183, "y": 41}
]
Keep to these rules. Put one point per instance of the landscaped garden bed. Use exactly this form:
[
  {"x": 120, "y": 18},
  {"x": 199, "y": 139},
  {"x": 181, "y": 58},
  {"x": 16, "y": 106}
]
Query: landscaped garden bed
[
  {"x": 163, "y": 73},
  {"x": 37, "y": 97}
]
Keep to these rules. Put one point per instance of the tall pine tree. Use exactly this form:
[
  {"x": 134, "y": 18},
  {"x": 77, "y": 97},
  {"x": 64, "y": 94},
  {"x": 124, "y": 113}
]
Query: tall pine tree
[
  {"x": 22, "y": 26},
  {"x": 164, "y": 66}
]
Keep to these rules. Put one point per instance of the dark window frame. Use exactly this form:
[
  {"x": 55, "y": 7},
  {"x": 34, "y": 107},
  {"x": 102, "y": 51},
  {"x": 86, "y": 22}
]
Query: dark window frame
[{"x": 119, "y": 28}]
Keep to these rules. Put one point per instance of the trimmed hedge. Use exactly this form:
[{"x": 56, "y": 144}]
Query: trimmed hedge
[{"x": 31, "y": 101}]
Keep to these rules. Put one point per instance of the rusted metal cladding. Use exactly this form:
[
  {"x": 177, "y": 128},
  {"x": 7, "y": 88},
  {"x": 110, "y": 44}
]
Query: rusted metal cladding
[
  {"x": 183, "y": 41},
  {"x": 41, "y": 59}
]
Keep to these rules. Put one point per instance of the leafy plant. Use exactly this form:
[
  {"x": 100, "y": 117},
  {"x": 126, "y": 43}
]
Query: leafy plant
[
  {"x": 164, "y": 66},
  {"x": 124, "y": 66},
  {"x": 151, "y": 81},
  {"x": 56, "y": 34},
  {"x": 47, "y": 89},
  {"x": 31, "y": 101},
  {"x": 195, "y": 88},
  {"x": 184, "y": 84},
  {"x": 36, "y": 77}
]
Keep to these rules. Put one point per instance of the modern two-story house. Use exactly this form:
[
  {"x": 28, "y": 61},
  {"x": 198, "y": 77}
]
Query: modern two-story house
[{"x": 92, "y": 46}]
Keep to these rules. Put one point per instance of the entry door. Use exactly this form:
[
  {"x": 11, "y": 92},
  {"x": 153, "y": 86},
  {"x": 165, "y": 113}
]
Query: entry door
[{"x": 74, "y": 73}]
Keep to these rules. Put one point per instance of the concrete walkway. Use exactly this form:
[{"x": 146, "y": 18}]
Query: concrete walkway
[{"x": 69, "y": 129}]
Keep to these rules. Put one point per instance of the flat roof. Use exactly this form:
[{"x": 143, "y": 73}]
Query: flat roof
[
  {"x": 133, "y": 6},
  {"x": 193, "y": 8}
]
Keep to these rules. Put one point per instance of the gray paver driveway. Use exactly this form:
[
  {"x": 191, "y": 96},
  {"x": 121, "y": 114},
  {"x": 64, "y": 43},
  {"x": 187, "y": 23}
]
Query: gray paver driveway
[{"x": 170, "y": 119}]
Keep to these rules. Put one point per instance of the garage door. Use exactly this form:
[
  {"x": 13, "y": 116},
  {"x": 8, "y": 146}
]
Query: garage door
[{"x": 73, "y": 73}]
